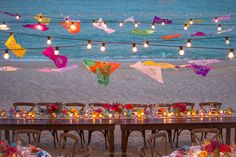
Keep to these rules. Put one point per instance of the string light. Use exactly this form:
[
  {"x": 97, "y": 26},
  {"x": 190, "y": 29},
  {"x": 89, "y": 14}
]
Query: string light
[
  {"x": 67, "y": 19},
  {"x": 219, "y": 27},
  {"x": 185, "y": 26},
  {"x": 153, "y": 26},
  {"x": 6, "y": 55},
  {"x": 181, "y": 50},
  {"x": 56, "y": 52},
  {"x": 121, "y": 24},
  {"x": 231, "y": 54},
  {"x": 39, "y": 27},
  {"x": 227, "y": 40},
  {"x": 72, "y": 26},
  {"x": 103, "y": 47},
  {"x": 4, "y": 25},
  {"x": 134, "y": 48},
  {"x": 216, "y": 20},
  {"x": 17, "y": 16},
  {"x": 189, "y": 43},
  {"x": 162, "y": 23},
  {"x": 89, "y": 45},
  {"x": 40, "y": 18},
  {"x": 136, "y": 24},
  {"x": 94, "y": 22},
  {"x": 191, "y": 21},
  {"x": 146, "y": 44},
  {"x": 49, "y": 41}
]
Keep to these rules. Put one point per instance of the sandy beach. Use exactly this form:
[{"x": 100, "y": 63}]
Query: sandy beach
[{"x": 126, "y": 86}]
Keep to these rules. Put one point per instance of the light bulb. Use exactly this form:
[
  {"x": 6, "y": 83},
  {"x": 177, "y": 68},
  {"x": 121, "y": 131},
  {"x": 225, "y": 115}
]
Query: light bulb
[
  {"x": 191, "y": 21},
  {"x": 134, "y": 48},
  {"x": 181, "y": 51},
  {"x": 162, "y": 23},
  {"x": 136, "y": 24},
  {"x": 216, "y": 20},
  {"x": 17, "y": 16},
  {"x": 67, "y": 20},
  {"x": 40, "y": 18},
  {"x": 49, "y": 41},
  {"x": 72, "y": 26},
  {"x": 189, "y": 43},
  {"x": 103, "y": 47},
  {"x": 39, "y": 27},
  {"x": 227, "y": 40},
  {"x": 121, "y": 24},
  {"x": 4, "y": 25},
  {"x": 56, "y": 52},
  {"x": 185, "y": 26},
  {"x": 94, "y": 23},
  {"x": 146, "y": 44},
  {"x": 6, "y": 55},
  {"x": 219, "y": 28},
  {"x": 89, "y": 45},
  {"x": 153, "y": 26},
  {"x": 231, "y": 54}
]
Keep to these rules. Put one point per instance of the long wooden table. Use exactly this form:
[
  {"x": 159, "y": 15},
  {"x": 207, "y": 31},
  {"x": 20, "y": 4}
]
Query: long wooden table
[
  {"x": 60, "y": 124},
  {"x": 176, "y": 123}
]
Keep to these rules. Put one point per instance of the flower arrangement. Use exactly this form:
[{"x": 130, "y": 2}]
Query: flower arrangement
[
  {"x": 106, "y": 106},
  {"x": 216, "y": 149},
  {"x": 116, "y": 107},
  {"x": 129, "y": 106},
  {"x": 180, "y": 107},
  {"x": 7, "y": 150},
  {"x": 54, "y": 108}
]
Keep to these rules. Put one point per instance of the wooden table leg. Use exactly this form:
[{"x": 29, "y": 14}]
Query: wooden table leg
[
  {"x": 7, "y": 136},
  {"x": 111, "y": 142},
  {"x": 228, "y": 135},
  {"x": 124, "y": 142}
]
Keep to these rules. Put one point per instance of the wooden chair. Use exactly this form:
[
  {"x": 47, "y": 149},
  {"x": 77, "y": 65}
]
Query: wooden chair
[
  {"x": 71, "y": 150},
  {"x": 215, "y": 105},
  {"x": 23, "y": 105},
  {"x": 141, "y": 106},
  {"x": 93, "y": 106},
  {"x": 152, "y": 143},
  {"x": 80, "y": 107},
  {"x": 196, "y": 140},
  {"x": 189, "y": 105},
  {"x": 167, "y": 106},
  {"x": 54, "y": 133},
  {"x": 35, "y": 133}
]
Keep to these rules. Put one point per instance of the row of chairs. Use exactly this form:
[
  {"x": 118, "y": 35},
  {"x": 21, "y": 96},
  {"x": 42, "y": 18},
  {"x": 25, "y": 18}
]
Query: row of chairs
[{"x": 93, "y": 106}]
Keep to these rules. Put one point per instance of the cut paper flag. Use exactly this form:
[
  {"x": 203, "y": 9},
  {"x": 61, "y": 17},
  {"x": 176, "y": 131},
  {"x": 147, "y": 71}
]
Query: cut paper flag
[
  {"x": 103, "y": 70},
  {"x": 68, "y": 68},
  {"x": 16, "y": 48},
  {"x": 38, "y": 26},
  {"x": 42, "y": 19},
  {"x": 225, "y": 31},
  {"x": 194, "y": 21},
  {"x": 198, "y": 34},
  {"x": 138, "y": 31},
  {"x": 130, "y": 19},
  {"x": 72, "y": 27},
  {"x": 59, "y": 61},
  {"x": 204, "y": 61},
  {"x": 200, "y": 69},
  {"x": 4, "y": 27},
  {"x": 161, "y": 65},
  {"x": 223, "y": 18},
  {"x": 168, "y": 37},
  {"x": 157, "y": 19},
  {"x": 9, "y": 68},
  {"x": 152, "y": 71},
  {"x": 103, "y": 26}
]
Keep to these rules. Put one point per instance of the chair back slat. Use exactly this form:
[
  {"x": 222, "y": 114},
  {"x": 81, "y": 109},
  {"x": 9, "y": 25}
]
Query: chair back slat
[
  {"x": 204, "y": 105},
  {"x": 70, "y": 151},
  {"x": 198, "y": 140}
]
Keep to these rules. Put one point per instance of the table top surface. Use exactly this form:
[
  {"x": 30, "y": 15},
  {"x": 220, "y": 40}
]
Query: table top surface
[{"x": 149, "y": 121}]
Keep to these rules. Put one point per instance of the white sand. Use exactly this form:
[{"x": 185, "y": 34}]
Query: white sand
[{"x": 126, "y": 86}]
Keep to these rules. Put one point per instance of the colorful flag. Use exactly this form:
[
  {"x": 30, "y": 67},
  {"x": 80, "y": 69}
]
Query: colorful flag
[
  {"x": 168, "y": 37},
  {"x": 103, "y": 26},
  {"x": 161, "y": 65},
  {"x": 72, "y": 27},
  {"x": 42, "y": 19},
  {"x": 141, "y": 32},
  {"x": 38, "y": 26}
]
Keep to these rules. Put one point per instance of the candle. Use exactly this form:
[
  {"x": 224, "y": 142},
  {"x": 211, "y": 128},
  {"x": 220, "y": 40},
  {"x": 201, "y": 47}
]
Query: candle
[
  {"x": 100, "y": 115},
  {"x": 71, "y": 114},
  {"x": 221, "y": 112},
  {"x": 93, "y": 116},
  {"x": 188, "y": 114},
  {"x": 110, "y": 115},
  {"x": 17, "y": 115},
  {"x": 135, "y": 113},
  {"x": 23, "y": 115},
  {"x": 209, "y": 113},
  {"x": 86, "y": 114},
  {"x": 169, "y": 115},
  {"x": 142, "y": 113},
  {"x": 202, "y": 114},
  {"x": 124, "y": 114}
]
